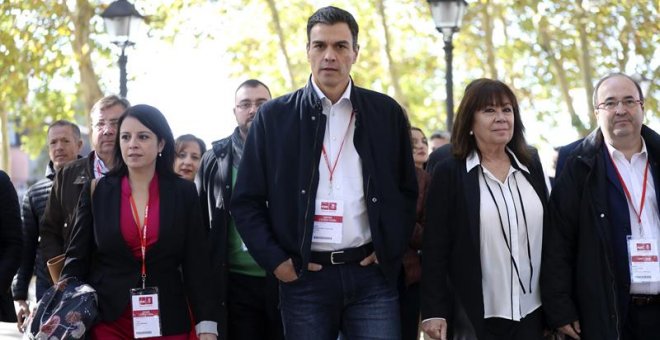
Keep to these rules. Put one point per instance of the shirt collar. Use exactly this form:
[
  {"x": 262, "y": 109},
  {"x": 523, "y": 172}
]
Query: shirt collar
[
  {"x": 614, "y": 153},
  {"x": 346, "y": 95},
  {"x": 473, "y": 160}
]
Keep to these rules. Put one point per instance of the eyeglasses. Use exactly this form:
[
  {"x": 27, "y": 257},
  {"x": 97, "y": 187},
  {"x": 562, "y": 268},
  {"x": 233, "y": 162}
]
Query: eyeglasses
[
  {"x": 611, "y": 105},
  {"x": 248, "y": 105},
  {"x": 100, "y": 125}
]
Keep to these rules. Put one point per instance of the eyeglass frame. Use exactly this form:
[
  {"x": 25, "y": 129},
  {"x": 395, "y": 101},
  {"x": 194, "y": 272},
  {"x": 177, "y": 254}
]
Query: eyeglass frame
[
  {"x": 628, "y": 103},
  {"x": 246, "y": 105}
]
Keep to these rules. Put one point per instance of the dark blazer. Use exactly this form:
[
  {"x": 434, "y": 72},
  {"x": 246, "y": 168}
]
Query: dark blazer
[
  {"x": 452, "y": 240},
  {"x": 10, "y": 245},
  {"x": 178, "y": 263},
  {"x": 55, "y": 231},
  {"x": 563, "y": 154},
  {"x": 273, "y": 201}
]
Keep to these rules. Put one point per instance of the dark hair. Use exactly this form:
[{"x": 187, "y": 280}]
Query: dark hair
[
  {"x": 252, "y": 83},
  {"x": 479, "y": 94},
  {"x": 154, "y": 120},
  {"x": 332, "y": 15},
  {"x": 425, "y": 141},
  {"x": 74, "y": 128},
  {"x": 181, "y": 140},
  {"x": 441, "y": 134},
  {"x": 612, "y": 75},
  {"x": 110, "y": 101}
]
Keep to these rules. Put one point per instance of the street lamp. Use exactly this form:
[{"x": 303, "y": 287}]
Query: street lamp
[
  {"x": 121, "y": 18},
  {"x": 448, "y": 16}
]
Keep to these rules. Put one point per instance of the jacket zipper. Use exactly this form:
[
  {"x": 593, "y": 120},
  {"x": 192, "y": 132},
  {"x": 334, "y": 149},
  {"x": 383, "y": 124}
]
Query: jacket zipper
[{"x": 311, "y": 180}]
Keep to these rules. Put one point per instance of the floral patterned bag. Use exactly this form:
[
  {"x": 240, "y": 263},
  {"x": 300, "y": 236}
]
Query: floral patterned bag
[{"x": 66, "y": 311}]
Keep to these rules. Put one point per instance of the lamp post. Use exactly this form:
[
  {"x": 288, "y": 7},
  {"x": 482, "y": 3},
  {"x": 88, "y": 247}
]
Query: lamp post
[
  {"x": 121, "y": 18},
  {"x": 448, "y": 16}
]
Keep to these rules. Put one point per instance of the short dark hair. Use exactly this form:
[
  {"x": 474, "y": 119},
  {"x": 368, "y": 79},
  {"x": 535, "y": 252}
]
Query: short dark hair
[
  {"x": 252, "y": 83},
  {"x": 110, "y": 101},
  {"x": 612, "y": 75},
  {"x": 441, "y": 134},
  {"x": 74, "y": 127},
  {"x": 332, "y": 15},
  {"x": 479, "y": 94},
  {"x": 155, "y": 121},
  {"x": 181, "y": 140}
]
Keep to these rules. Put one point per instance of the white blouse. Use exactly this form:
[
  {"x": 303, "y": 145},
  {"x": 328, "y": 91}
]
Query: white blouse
[{"x": 511, "y": 235}]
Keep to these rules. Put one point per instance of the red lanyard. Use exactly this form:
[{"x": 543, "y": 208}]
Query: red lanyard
[
  {"x": 331, "y": 168},
  {"x": 143, "y": 238},
  {"x": 628, "y": 196}
]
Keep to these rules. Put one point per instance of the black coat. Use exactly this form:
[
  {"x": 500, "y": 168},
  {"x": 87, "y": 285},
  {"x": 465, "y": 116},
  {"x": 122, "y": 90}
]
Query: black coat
[
  {"x": 585, "y": 273},
  {"x": 451, "y": 250},
  {"x": 10, "y": 245},
  {"x": 274, "y": 197},
  {"x": 178, "y": 263}
]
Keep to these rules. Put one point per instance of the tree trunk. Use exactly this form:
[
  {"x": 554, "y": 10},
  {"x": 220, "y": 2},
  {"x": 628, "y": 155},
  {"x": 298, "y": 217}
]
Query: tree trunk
[
  {"x": 587, "y": 69},
  {"x": 560, "y": 77},
  {"x": 487, "y": 21},
  {"x": 391, "y": 65},
  {"x": 282, "y": 42},
  {"x": 89, "y": 88}
]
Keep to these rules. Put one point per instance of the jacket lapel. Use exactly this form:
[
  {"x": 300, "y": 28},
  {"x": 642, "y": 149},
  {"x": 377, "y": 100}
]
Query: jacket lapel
[
  {"x": 166, "y": 201},
  {"x": 473, "y": 200}
]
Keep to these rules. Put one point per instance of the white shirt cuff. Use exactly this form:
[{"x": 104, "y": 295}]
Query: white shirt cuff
[
  {"x": 429, "y": 319},
  {"x": 206, "y": 327}
]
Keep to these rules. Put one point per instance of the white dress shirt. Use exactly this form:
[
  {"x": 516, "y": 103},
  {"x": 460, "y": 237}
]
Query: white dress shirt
[
  {"x": 347, "y": 183},
  {"x": 632, "y": 174},
  {"x": 505, "y": 218}
]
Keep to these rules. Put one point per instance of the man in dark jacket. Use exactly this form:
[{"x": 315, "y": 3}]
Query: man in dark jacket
[
  {"x": 248, "y": 294},
  {"x": 64, "y": 145},
  {"x": 601, "y": 277},
  {"x": 63, "y": 199},
  {"x": 325, "y": 196}
]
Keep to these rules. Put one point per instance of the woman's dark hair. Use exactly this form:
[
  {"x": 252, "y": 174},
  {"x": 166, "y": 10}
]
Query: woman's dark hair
[
  {"x": 479, "y": 94},
  {"x": 183, "y": 139},
  {"x": 154, "y": 120}
]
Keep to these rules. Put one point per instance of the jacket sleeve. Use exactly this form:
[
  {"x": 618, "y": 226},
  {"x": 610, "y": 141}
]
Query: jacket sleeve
[
  {"x": 81, "y": 246},
  {"x": 559, "y": 249},
  {"x": 202, "y": 181},
  {"x": 51, "y": 243},
  {"x": 437, "y": 243},
  {"x": 10, "y": 232},
  {"x": 407, "y": 176},
  {"x": 30, "y": 243},
  {"x": 201, "y": 290},
  {"x": 249, "y": 207}
]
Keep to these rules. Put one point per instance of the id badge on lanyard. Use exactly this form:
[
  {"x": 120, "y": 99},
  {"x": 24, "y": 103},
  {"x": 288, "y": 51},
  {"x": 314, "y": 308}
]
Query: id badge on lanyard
[
  {"x": 643, "y": 258},
  {"x": 146, "y": 312}
]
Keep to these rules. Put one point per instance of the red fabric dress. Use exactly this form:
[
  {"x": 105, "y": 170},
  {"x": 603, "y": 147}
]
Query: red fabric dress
[{"x": 122, "y": 328}]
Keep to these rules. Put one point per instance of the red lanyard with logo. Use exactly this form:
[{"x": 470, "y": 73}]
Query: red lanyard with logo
[
  {"x": 142, "y": 232},
  {"x": 627, "y": 192},
  {"x": 333, "y": 166}
]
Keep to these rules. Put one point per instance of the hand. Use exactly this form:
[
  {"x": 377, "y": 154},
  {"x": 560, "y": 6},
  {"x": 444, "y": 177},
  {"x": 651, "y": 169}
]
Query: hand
[
  {"x": 207, "y": 336},
  {"x": 369, "y": 260},
  {"x": 571, "y": 329},
  {"x": 285, "y": 272},
  {"x": 314, "y": 267},
  {"x": 21, "y": 314},
  {"x": 435, "y": 328}
]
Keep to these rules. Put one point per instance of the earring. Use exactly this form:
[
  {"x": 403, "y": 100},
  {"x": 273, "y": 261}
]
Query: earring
[
  {"x": 471, "y": 133},
  {"x": 160, "y": 154}
]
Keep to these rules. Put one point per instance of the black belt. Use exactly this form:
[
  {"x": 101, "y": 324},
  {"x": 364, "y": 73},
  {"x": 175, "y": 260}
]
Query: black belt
[
  {"x": 644, "y": 300},
  {"x": 349, "y": 255}
]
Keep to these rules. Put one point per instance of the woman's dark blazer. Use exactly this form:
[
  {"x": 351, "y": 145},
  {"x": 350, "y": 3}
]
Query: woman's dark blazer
[
  {"x": 451, "y": 249},
  {"x": 11, "y": 245},
  {"x": 178, "y": 263}
]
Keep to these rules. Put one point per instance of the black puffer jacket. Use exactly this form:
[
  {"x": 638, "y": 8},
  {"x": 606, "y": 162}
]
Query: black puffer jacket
[{"x": 32, "y": 210}]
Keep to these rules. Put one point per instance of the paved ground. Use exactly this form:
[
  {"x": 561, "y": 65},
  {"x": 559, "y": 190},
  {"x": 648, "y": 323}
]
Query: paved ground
[{"x": 8, "y": 331}]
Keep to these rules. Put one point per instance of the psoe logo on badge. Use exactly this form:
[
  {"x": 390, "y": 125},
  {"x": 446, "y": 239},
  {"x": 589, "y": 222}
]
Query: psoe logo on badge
[
  {"x": 643, "y": 246},
  {"x": 328, "y": 205},
  {"x": 145, "y": 300}
]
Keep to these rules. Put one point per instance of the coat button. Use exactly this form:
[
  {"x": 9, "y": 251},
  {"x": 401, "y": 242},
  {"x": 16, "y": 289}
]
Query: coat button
[
  {"x": 302, "y": 192},
  {"x": 374, "y": 199},
  {"x": 602, "y": 215},
  {"x": 227, "y": 186},
  {"x": 66, "y": 225},
  {"x": 313, "y": 117}
]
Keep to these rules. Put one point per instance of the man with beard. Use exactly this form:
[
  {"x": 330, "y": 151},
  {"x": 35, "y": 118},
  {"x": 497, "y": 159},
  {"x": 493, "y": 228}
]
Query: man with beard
[{"x": 249, "y": 295}]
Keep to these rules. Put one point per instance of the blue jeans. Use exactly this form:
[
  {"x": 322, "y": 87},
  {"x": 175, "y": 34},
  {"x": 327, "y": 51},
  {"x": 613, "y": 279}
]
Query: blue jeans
[{"x": 348, "y": 298}]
